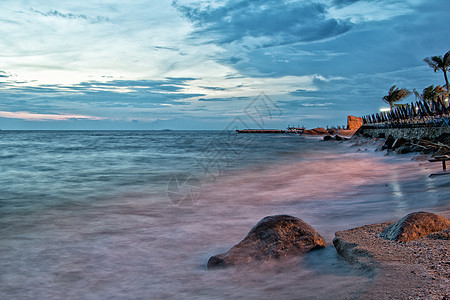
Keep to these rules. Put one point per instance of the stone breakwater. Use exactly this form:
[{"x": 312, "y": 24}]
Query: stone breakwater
[
  {"x": 405, "y": 133},
  {"x": 433, "y": 140}
]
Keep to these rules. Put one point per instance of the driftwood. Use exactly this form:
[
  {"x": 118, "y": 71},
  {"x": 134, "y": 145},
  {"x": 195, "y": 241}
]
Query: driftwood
[{"x": 437, "y": 147}]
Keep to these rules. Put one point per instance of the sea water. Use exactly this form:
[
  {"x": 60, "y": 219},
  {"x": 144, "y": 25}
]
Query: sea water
[{"x": 137, "y": 214}]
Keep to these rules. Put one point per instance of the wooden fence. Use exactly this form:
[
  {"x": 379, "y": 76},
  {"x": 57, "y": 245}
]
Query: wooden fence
[{"x": 420, "y": 113}]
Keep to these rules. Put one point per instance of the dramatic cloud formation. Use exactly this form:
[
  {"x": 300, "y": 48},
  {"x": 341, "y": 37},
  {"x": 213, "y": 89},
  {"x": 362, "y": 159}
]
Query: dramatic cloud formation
[
  {"x": 264, "y": 23},
  {"x": 197, "y": 64}
]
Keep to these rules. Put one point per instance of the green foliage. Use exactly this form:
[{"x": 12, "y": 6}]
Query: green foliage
[
  {"x": 395, "y": 95},
  {"x": 430, "y": 93},
  {"x": 440, "y": 63}
]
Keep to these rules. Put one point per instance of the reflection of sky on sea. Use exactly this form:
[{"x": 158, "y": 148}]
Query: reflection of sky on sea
[{"x": 398, "y": 194}]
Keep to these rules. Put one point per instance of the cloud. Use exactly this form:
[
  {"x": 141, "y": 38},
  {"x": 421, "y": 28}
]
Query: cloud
[
  {"x": 224, "y": 99},
  {"x": 44, "y": 117},
  {"x": 205, "y": 60},
  {"x": 264, "y": 23},
  {"x": 3, "y": 74},
  {"x": 113, "y": 94},
  {"x": 55, "y": 13}
]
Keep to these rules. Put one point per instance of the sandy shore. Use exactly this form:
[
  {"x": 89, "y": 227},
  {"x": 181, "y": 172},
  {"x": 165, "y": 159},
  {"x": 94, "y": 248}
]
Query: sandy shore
[{"x": 418, "y": 269}]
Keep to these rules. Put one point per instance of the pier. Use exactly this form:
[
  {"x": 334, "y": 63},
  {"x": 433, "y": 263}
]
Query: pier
[
  {"x": 261, "y": 131},
  {"x": 298, "y": 130}
]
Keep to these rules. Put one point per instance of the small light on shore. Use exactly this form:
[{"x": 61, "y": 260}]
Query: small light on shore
[{"x": 385, "y": 109}]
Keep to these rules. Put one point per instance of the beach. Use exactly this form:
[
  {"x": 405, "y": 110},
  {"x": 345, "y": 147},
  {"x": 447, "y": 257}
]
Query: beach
[
  {"x": 109, "y": 230},
  {"x": 416, "y": 269}
]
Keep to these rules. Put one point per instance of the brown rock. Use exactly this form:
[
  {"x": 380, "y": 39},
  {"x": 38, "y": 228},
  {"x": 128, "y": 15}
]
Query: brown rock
[
  {"x": 332, "y": 131},
  {"x": 274, "y": 237},
  {"x": 353, "y": 123},
  {"x": 316, "y": 131},
  {"x": 413, "y": 270},
  {"x": 414, "y": 226}
]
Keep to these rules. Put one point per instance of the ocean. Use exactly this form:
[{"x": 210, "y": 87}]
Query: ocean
[{"x": 137, "y": 214}]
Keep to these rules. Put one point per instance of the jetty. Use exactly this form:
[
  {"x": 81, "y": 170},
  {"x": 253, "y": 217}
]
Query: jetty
[
  {"x": 261, "y": 131},
  {"x": 298, "y": 130}
]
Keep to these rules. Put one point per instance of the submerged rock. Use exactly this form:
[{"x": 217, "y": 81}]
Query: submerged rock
[
  {"x": 414, "y": 226},
  {"x": 274, "y": 237}
]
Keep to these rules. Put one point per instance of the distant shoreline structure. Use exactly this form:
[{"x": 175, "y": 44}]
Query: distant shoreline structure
[{"x": 261, "y": 131}]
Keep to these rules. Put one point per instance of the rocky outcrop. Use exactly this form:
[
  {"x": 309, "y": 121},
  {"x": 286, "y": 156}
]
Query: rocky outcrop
[
  {"x": 353, "y": 123},
  {"x": 316, "y": 131},
  {"x": 414, "y": 226},
  {"x": 335, "y": 138},
  {"x": 274, "y": 237}
]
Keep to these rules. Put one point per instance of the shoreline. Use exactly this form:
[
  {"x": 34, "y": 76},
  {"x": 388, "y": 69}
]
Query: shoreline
[
  {"x": 418, "y": 269},
  {"x": 401, "y": 270}
]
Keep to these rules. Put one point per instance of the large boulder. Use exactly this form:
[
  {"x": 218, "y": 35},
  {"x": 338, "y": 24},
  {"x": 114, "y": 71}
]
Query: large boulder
[
  {"x": 414, "y": 226},
  {"x": 274, "y": 237},
  {"x": 353, "y": 123}
]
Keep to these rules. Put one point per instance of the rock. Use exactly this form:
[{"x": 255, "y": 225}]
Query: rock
[
  {"x": 442, "y": 151},
  {"x": 443, "y": 138},
  {"x": 415, "y": 148},
  {"x": 414, "y": 226},
  {"x": 328, "y": 138},
  {"x": 274, "y": 237},
  {"x": 400, "y": 270},
  {"x": 339, "y": 138},
  {"x": 320, "y": 130},
  {"x": 353, "y": 123},
  {"x": 316, "y": 131},
  {"x": 388, "y": 143},
  {"x": 399, "y": 142},
  {"x": 332, "y": 131},
  {"x": 404, "y": 149}
]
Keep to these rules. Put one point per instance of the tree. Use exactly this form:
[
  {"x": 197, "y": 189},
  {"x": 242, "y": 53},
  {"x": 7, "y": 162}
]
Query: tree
[
  {"x": 430, "y": 93},
  {"x": 394, "y": 95},
  {"x": 439, "y": 63}
]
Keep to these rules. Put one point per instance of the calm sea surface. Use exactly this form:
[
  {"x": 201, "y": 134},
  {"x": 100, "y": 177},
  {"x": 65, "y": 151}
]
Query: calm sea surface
[{"x": 137, "y": 214}]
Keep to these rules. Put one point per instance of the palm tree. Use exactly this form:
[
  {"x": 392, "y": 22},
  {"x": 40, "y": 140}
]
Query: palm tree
[
  {"x": 395, "y": 94},
  {"x": 430, "y": 93},
  {"x": 439, "y": 63}
]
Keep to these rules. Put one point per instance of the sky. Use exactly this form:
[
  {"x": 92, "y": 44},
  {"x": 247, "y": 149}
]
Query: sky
[{"x": 197, "y": 64}]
